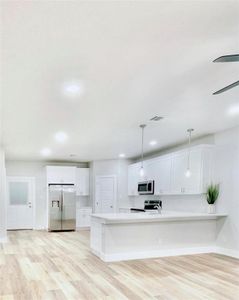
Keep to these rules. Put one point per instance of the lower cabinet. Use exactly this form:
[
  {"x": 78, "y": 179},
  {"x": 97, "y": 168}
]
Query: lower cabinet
[{"x": 83, "y": 217}]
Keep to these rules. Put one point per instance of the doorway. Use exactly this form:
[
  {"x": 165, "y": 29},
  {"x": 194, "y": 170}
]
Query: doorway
[
  {"x": 20, "y": 203},
  {"x": 105, "y": 194}
]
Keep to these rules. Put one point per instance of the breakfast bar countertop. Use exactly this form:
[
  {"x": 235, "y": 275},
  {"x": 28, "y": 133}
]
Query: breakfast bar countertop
[{"x": 111, "y": 218}]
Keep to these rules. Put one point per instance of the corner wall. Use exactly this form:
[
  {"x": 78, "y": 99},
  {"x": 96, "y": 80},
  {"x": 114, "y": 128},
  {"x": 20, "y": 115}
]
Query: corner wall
[{"x": 227, "y": 174}]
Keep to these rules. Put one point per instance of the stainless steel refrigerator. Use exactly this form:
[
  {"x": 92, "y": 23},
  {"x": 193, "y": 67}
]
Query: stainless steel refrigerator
[{"x": 62, "y": 207}]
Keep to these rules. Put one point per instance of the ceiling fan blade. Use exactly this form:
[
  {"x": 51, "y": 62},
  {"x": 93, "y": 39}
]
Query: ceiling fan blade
[
  {"x": 227, "y": 58},
  {"x": 230, "y": 86}
]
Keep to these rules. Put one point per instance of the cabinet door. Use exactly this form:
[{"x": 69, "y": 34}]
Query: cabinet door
[
  {"x": 61, "y": 174},
  {"x": 133, "y": 179},
  {"x": 83, "y": 218},
  {"x": 82, "y": 181},
  {"x": 180, "y": 183},
  {"x": 192, "y": 184},
  {"x": 162, "y": 175}
]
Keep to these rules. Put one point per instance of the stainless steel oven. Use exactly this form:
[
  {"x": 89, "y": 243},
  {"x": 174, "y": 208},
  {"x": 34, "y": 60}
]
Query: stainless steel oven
[{"x": 146, "y": 187}]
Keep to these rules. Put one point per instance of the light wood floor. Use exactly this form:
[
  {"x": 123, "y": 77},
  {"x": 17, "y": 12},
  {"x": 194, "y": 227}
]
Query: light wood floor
[{"x": 42, "y": 265}]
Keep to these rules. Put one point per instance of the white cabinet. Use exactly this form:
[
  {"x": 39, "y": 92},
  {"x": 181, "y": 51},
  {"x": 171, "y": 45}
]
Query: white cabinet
[
  {"x": 83, "y": 217},
  {"x": 61, "y": 174},
  {"x": 181, "y": 184},
  {"x": 162, "y": 175},
  {"x": 82, "y": 181},
  {"x": 133, "y": 179},
  {"x": 168, "y": 172}
]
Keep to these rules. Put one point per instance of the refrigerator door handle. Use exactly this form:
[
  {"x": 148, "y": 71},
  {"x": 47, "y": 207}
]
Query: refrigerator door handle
[
  {"x": 62, "y": 201},
  {"x": 55, "y": 202}
]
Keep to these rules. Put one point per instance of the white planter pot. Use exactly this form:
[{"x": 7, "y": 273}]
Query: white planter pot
[{"x": 211, "y": 209}]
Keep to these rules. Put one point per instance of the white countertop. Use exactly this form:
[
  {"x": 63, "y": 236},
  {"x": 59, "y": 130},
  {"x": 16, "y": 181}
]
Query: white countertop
[{"x": 154, "y": 217}]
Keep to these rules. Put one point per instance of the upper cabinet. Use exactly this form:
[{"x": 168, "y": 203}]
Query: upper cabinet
[
  {"x": 179, "y": 182},
  {"x": 61, "y": 174},
  {"x": 168, "y": 172},
  {"x": 133, "y": 178},
  {"x": 82, "y": 181},
  {"x": 159, "y": 170}
]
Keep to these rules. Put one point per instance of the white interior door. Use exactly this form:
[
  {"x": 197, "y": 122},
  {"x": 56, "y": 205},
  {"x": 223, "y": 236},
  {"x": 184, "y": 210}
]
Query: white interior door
[
  {"x": 105, "y": 194},
  {"x": 20, "y": 194}
]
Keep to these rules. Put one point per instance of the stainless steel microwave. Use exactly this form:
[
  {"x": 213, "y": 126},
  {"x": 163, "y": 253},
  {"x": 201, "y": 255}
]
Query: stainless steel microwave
[{"x": 146, "y": 187}]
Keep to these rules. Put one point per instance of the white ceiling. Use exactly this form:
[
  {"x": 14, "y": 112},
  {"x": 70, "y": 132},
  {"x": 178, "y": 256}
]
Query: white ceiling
[{"x": 134, "y": 59}]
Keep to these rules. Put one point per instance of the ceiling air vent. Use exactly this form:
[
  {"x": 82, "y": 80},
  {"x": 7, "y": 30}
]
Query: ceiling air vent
[{"x": 156, "y": 118}]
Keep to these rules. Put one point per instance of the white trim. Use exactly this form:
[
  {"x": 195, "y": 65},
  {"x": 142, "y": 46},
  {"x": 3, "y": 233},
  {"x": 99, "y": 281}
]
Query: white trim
[
  {"x": 33, "y": 186},
  {"x": 83, "y": 228},
  {"x": 227, "y": 252},
  {"x": 153, "y": 254},
  {"x": 164, "y": 253},
  {"x": 47, "y": 206},
  {"x": 115, "y": 178}
]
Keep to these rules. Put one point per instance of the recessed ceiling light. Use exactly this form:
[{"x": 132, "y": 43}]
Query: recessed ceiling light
[
  {"x": 121, "y": 155},
  {"x": 73, "y": 89},
  {"x": 61, "y": 137},
  {"x": 46, "y": 152},
  {"x": 233, "y": 110},
  {"x": 153, "y": 143}
]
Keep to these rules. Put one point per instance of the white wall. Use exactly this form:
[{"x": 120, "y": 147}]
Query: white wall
[
  {"x": 118, "y": 167},
  {"x": 36, "y": 170},
  {"x": 227, "y": 174},
  {"x": 2, "y": 196}
]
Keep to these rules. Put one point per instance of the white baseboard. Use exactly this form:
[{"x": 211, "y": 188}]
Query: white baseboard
[
  {"x": 164, "y": 253},
  {"x": 154, "y": 254},
  {"x": 83, "y": 228},
  {"x": 227, "y": 252},
  {"x": 40, "y": 228}
]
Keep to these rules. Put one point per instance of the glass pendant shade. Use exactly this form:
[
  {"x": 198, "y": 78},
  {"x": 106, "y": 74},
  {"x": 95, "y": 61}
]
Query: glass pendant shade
[
  {"x": 188, "y": 172},
  {"x": 141, "y": 172}
]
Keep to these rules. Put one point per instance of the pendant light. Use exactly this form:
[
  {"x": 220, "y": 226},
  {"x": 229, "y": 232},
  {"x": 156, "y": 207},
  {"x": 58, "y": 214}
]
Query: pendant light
[
  {"x": 141, "y": 171},
  {"x": 188, "y": 171}
]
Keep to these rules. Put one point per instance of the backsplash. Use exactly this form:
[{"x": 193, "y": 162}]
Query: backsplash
[{"x": 190, "y": 203}]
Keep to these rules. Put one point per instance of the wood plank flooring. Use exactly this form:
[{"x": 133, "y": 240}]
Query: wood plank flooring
[{"x": 42, "y": 265}]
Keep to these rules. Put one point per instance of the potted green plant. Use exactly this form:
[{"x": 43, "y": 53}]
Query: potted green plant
[{"x": 212, "y": 195}]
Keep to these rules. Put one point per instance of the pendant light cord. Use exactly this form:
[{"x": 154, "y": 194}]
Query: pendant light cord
[
  {"x": 189, "y": 145},
  {"x": 142, "y": 145},
  {"x": 142, "y": 148}
]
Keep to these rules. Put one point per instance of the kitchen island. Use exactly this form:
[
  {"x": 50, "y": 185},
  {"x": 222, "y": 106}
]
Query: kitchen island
[{"x": 124, "y": 236}]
